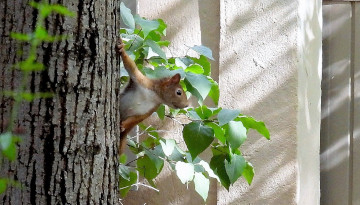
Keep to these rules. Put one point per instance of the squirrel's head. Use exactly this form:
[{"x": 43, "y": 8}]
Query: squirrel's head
[{"x": 172, "y": 93}]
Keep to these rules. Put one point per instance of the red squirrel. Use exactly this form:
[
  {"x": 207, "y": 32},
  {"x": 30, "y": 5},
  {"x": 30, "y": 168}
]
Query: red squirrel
[{"x": 142, "y": 96}]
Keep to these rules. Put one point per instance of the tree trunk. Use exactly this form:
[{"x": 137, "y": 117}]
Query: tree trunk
[{"x": 68, "y": 154}]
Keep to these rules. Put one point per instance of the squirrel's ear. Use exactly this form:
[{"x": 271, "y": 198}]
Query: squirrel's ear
[{"x": 175, "y": 79}]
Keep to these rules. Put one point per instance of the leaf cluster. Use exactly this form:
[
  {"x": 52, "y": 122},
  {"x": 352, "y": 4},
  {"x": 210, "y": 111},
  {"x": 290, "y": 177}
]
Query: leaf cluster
[{"x": 222, "y": 130}]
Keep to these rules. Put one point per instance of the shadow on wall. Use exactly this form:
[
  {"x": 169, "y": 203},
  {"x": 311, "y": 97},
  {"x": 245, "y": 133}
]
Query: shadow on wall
[
  {"x": 340, "y": 132},
  {"x": 258, "y": 75}
]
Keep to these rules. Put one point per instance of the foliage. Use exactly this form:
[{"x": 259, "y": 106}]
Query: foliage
[
  {"x": 223, "y": 130},
  {"x": 9, "y": 138}
]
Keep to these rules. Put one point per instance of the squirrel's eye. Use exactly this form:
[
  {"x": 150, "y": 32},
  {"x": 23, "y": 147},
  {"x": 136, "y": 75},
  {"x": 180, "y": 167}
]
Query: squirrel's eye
[{"x": 178, "y": 92}]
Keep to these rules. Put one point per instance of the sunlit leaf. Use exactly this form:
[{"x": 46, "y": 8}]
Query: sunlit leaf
[
  {"x": 226, "y": 115},
  {"x": 235, "y": 134},
  {"x": 200, "y": 83},
  {"x": 155, "y": 48},
  {"x": 251, "y": 123},
  {"x": 162, "y": 27},
  {"x": 248, "y": 173},
  {"x": 195, "y": 69},
  {"x": 202, "y": 185},
  {"x": 203, "y": 112},
  {"x": 168, "y": 146},
  {"x": 146, "y": 25},
  {"x": 185, "y": 171},
  {"x": 207, "y": 168},
  {"x": 126, "y": 16},
  {"x": 123, "y": 158},
  {"x": 205, "y": 64},
  {"x": 203, "y": 50},
  {"x": 214, "y": 93}
]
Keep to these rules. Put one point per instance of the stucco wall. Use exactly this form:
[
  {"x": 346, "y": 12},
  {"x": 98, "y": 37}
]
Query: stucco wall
[
  {"x": 309, "y": 104},
  {"x": 261, "y": 50}
]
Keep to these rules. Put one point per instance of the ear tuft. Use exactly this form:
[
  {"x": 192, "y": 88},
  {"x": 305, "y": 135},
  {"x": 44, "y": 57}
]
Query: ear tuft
[{"x": 175, "y": 79}]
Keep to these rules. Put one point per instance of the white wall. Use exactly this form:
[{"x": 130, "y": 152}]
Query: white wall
[
  {"x": 309, "y": 104},
  {"x": 268, "y": 61},
  {"x": 259, "y": 75}
]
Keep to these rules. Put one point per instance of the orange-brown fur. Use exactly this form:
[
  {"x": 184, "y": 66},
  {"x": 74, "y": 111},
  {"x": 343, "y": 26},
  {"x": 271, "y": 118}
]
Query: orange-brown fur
[{"x": 143, "y": 95}]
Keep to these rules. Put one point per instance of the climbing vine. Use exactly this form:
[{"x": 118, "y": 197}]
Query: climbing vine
[
  {"x": 21, "y": 94},
  {"x": 221, "y": 130}
]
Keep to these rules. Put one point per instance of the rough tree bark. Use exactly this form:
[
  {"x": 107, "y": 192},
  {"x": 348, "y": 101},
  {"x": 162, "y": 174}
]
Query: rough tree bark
[{"x": 68, "y": 154}]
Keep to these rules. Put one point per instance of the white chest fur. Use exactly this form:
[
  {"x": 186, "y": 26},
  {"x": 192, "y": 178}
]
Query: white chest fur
[{"x": 138, "y": 102}]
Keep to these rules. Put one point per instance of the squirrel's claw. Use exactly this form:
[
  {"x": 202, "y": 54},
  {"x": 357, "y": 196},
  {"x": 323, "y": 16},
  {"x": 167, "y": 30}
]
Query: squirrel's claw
[{"x": 119, "y": 46}]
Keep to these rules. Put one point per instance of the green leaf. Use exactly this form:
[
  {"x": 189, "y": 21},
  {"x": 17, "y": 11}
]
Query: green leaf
[
  {"x": 219, "y": 132},
  {"x": 168, "y": 146},
  {"x": 132, "y": 42},
  {"x": 207, "y": 168},
  {"x": 44, "y": 10},
  {"x": 163, "y": 43},
  {"x": 125, "y": 185},
  {"x": 62, "y": 10},
  {"x": 147, "y": 168},
  {"x": 147, "y": 25},
  {"x": 30, "y": 65},
  {"x": 155, "y": 48},
  {"x": 185, "y": 171},
  {"x": 251, "y": 123},
  {"x": 3, "y": 185},
  {"x": 124, "y": 172},
  {"x": 154, "y": 155},
  {"x": 162, "y": 27},
  {"x": 226, "y": 115},
  {"x": 161, "y": 72},
  {"x": 126, "y": 16},
  {"x": 5, "y": 140},
  {"x": 203, "y": 50},
  {"x": 161, "y": 111},
  {"x": 123, "y": 158},
  {"x": 200, "y": 83},
  {"x": 205, "y": 64},
  {"x": 202, "y": 185},
  {"x": 20, "y": 36},
  {"x": 217, "y": 164},
  {"x": 177, "y": 154},
  {"x": 180, "y": 63},
  {"x": 195, "y": 69},
  {"x": 203, "y": 112},
  {"x": 11, "y": 152},
  {"x": 235, "y": 134},
  {"x": 193, "y": 115},
  {"x": 235, "y": 167},
  {"x": 41, "y": 33},
  {"x": 197, "y": 137},
  {"x": 214, "y": 93},
  {"x": 248, "y": 173}
]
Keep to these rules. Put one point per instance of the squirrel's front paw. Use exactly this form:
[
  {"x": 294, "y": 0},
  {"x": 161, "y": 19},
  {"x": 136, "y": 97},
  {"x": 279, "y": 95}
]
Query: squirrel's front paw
[
  {"x": 119, "y": 46},
  {"x": 122, "y": 129}
]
